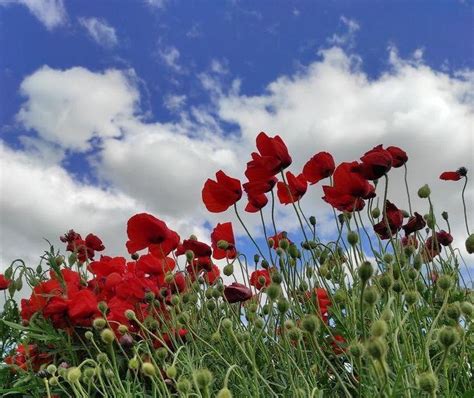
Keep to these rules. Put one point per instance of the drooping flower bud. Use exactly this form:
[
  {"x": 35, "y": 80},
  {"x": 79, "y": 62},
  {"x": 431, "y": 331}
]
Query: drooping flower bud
[
  {"x": 470, "y": 244},
  {"x": 424, "y": 191}
]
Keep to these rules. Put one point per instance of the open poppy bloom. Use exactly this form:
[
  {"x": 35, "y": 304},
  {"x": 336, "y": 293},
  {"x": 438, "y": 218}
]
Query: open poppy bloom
[
  {"x": 260, "y": 278},
  {"x": 415, "y": 223},
  {"x": 294, "y": 190},
  {"x": 320, "y": 166},
  {"x": 144, "y": 230},
  {"x": 349, "y": 189},
  {"x": 4, "y": 282},
  {"x": 237, "y": 292},
  {"x": 394, "y": 219},
  {"x": 223, "y": 232},
  {"x": 375, "y": 163},
  {"x": 219, "y": 195},
  {"x": 256, "y": 203},
  {"x": 274, "y": 152},
  {"x": 399, "y": 156},
  {"x": 454, "y": 175}
]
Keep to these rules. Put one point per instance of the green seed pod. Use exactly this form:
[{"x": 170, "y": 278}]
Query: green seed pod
[
  {"x": 312, "y": 220},
  {"x": 107, "y": 336},
  {"x": 224, "y": 393},
  {"x": 444, "y": 214},
  {"x": 310, "y": 323},
  {"x": 148, "y": 369},
  {"x": 353, "y": 238},
  {"x": 89, "y": 372},
  {"x": 430, "y": 220},
  {"x": 379, "y": 328},
  {"x": 387, "y": 315},
  {"x": 428, "y": 382},
  {"x": 122, "y": 329},
  {"x": 424, "y": 192},
  {"x": 102, "y": 306},
  {"x": 356, "y": 350},
  {"x": 470, "y": 244},
  {"x": 294, "y": 334},
  {"x": 340, "y": 296},
  {"x": 365, "y": 271},
  {"x": 377, "y": 348},
  {"x": 371, "y": 295},
  {"x": 453, "y": 311},
  {"x": 228, "y": 270},
  {"x": 183, "y": 385},
  {"x": 411, "y": 297},
  {"x": 73, "y": 374},
  {"x": 99, "y": 323},
  {"x": 211, "y": 305},
  {"x": 397, "y": 287},
  {"x": 444, "y": 282},
  {"x": 53, "y": 381},
  {"x": 467, "y": 309},
  {"x": 388, "y": 258},
  {"x": 52, "y": 369},
  {"x": 276, "y": 278},
  {"x": 303, "y": 287},
  {"x": 130, "y": 315},
  {"x": 386, "y": 281},
  {"x": 259, "y": 323},
  {"x": 171, "y": 372},
  {"x": 226, "y": 323},
  {"x": 273, "y": 291},
  {"x": 376, "y": 212},
  {"x": 149, "y": 297},
  {"x": 284, "y": 244},
  {"x": 412, "y": 274},
  {"x": 417, "y": 261},
  {"x": 102, "y": 357},
  {"x": 266, "y": 309},
  {"x": 283, "y": 305},
  {"x": 203, "y": 378},
  {"x": 89, "y": 335},
  {"x": 448, "y": 336},
  {"x": 293, "y": 251},
  {"x": 289, "y": 324},
  {"x": 133, "y": 363},
  {"x": 309, "y": 272}
]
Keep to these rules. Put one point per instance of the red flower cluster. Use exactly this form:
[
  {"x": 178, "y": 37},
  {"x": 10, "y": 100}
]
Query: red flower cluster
[
  {"x": 28, "y": 357},
  {"x": 84, "y": 248},
  {"x": 322, "y": 301}
]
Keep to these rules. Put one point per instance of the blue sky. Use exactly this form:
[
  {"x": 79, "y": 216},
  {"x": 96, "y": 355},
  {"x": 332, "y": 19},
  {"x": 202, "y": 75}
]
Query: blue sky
[{"x": 192, "y": 76}]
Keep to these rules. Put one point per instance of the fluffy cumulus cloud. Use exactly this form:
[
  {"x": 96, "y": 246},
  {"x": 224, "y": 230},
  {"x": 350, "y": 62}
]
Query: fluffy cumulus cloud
[
  {"x": 51, "y": 13},
  {"x": 331, "y": 105},
  {"x": 100, "y": 31}
]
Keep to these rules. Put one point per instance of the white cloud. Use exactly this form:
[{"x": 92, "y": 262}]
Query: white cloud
[
  {"x": 174, "y": 102},
  {"x": 157, "y": 3},
  {"x": 71, "y": 107},
  {"x": 100, "y": 31},
  {"x": 351, "y": 27},
  {"x": 51, "y": 13},
  {"x": 170, "y": 56}
]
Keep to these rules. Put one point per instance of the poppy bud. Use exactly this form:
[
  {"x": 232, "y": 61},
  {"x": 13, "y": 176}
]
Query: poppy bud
[
  {"x": 379, "y": 328},
  {"x": 386, "y": 281},
  {"x": 277, "y": 278},
  {"x": 130, "y": 315},
  {"x": 303, "y": 286},
  {"x": 448, "y": 337},
  {"x": 107, "y": 336},
  {"x": 216, "y": 337},
  {"x": 189, "y": 255},
  {"x": 89, "y": 372},
  {"x": 72, "y": 258},
  {"x": 397, "y": 286},
  {"x": 183, "y": 385},
  {"x": 133, "y": 363},
  {"x": 312, "y": 220},
  {"x": 259, "y": 323},
  {"x": 353, "y": 238},
  {"x": 387, "y": 315},
  {"x": 203, "y": 378},
  {"x": 99, "y": 323},
  {"x": 273, "y": 291},
  {"x": 289, "y": 324},
  {"x": 411, "y": 297},
  {"x": 424, "y": 191},
  {"x": 271, "y": 242},
  {"x": 226, "y": 323},
  {"x": 412, "y": 274},
  {"x": 171, "y": 372},
  {"x": 340, "y": 296},
  {"x": 228, "y": 270},
  {"x": 467, "y": 309},
  {"x": 444, "y": 282},
  {"x": 161, "y": 353},
  {"x": 102, "y": 357},
  {"x": 89, "y": 335},
  {"x": 74, "y": 374},
  {"x": 377, "y": 348},
  {"x": 211, "y": 305},
  {"x": 356, "y": 350},
  {"x": 371, "y": 295},
  {"x": 310, "y": 323},
  {"x": 283, "y": 305},
  {"x": 224, "y": 393},
  {"x": 453, "y": 311},
  {"x": 53, "y": 381},
  {"x": 265, "y": 264},
  {"x": 470, "y": 244},
  {"x": 428, "y": 382},
  {"x": 294, "y": 334},
  {"x": 135, "y": 256},
  {"x": 293, "y": 251},
  {"x": 102, "y": 306},
  {"x": 256, "y": 258},
  {"x": 444, "y": 214},
  {"x": 148, "y": 369},
  {"x": 376, "y": 212},
  {"x": 365, "y": 271},
  {"x": 417, "y": 262},
  {"x": 430, "y": 220},
  {"x": 284, "y": 244}
]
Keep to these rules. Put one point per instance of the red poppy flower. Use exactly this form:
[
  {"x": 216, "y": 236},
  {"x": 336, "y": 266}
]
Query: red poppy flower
[
  {"x": 107, "y": 265},
  {"x": 150, "y": 264},
  {"x": 200, "y": 249},
  {"x": 4, "y": 282},
  {"x": 256, "y": 203},
  {"x": 276, "y": 239},
  {"x": 274, "y": 153},
  {"x": 179, "y": 283},
  {"x": 349, "y": 189},
  {"x": 163, "y": 249},
  {"x": 394, "y": 218},
  {"x": 430, "y": 249},
  {"x": 144, "y": 230},
  {"x": 219, "y": 195},
  {"x": 415, "y": 223},
  {"x": 93, "y": 242},
  {"x": 82, "y": 307},
  {"x": 338, "y": 344},
  {"x": 375, "y": 163},
  {"x": 410, "y": 240},
  {"x": 399, "y": 156},
  {"x": 444, "y": 238},
  {"x": 223, "y": 232},
  {"x": 260, "y": 279},
  {"x": 320, "y": 166},
  {"x": 450, "y": 176},
  {"x": 295, "y": 189},
  {"x": 323, "y": 301},
  {"x": 237, "y": 292},
  {"x": 212, "y": 275}
]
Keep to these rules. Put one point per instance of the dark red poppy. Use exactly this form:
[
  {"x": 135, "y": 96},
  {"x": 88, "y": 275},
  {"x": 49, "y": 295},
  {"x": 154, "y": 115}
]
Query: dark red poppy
[
  {"x": 399, "y": 156},
  {"x": 200, "y": 249},
  {"x": 219, "y": 195},
  {"x": 349, "y": 189},
  {"x": 394, "y": 219},
  {"x": 212, "y": 275},
  {"x": 444, "y": 238},
  {"x": 223, "y": 232},
  {"x": 94, "y": 242},
  {"x": 237, "y": 292},
  {"x": 4, "y": 282},
  {"x": 294, "y": 190},
  {"x": 410, "y": 240},
  {"x": 144, "y": 230},
  {"x": 451, "y": 176},
  {"x": 320, "y": 166},
  {"x": 256, "y": 203},
  {"x": 260, "y": 278},
  {"x": 375, "y": 163},
  {"x": 430, "y": 249},
  {"x": 274, "y": 153},
  {"x": 415, "y": 223}
]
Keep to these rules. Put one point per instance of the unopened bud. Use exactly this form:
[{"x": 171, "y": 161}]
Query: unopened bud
[
  {"x": 171, "y": 372},
  {"x": 353, "y": 238},
  {"x": 74, "y": 374},
  {"x": 428, "y": 382},
  {"x": 365, "y": 271},
  {"x": 379, "y": 328},
  {"x": 148, "y": 369},
  {"x": 310, "y": 323},
  {"x": 470, "y": 244},
  {"x": 376, "y": 212},
  {"x": 99, "y": 323},
  {"x": 312, "y": 220},
  {"x": 424, "y": 191},
  {"x": 107, "y": 336},
  {"x": 203, "y": 378}
]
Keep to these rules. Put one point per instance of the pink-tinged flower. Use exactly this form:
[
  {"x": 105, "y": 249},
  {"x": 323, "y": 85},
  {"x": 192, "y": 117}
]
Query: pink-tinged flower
[
  {"x": 274, "y": 153},
  {"x": 219, "y": 195},
  {"x": 237, "y": 292},
  {"x": 294, "y": 190},
  {"x": 454, "y": 175},
  {"x": 223, "y": 232},
  {"x": 399, "y": 156},
  {"x": 260, "y": 279},
  {"x": 320, "y": 166},
  {"x": 415, "y": 223},
  {"x": 4, "y": 282},
  {"x": 394, "y": 219}
]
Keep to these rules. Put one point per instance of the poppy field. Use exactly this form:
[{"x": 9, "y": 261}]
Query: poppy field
[{"x": 383, "y": 308}]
